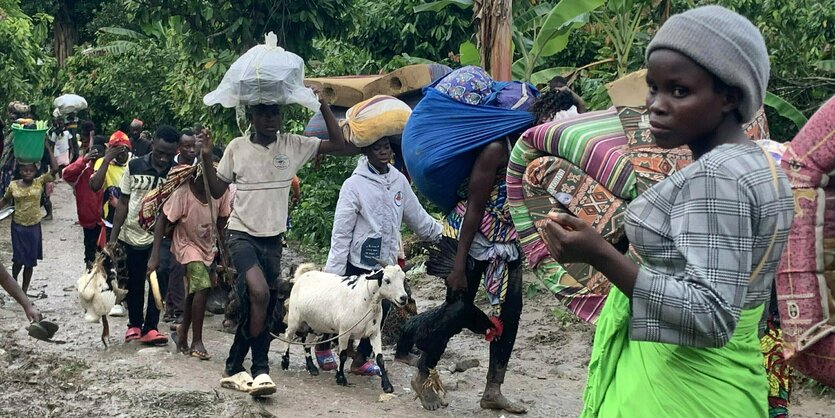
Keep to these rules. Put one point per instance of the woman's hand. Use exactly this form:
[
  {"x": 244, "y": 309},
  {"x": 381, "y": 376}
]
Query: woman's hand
[{"x": 570, "y": 239}]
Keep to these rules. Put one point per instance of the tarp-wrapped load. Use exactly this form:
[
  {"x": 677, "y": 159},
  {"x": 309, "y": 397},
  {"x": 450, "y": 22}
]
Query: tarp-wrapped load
[
  {"x": 806, "y": 275},
  {"x": 266, "y": 74},
  {"x": 443, "y": 134},
  {"x": 368, "y": 121}
]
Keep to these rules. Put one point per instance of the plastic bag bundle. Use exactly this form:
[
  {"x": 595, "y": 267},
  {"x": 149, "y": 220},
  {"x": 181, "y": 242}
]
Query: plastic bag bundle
[
  {"x": 69, "y": 103},
  {"x": 266, "y": 74},
  {"x": 366, "y": 122}
]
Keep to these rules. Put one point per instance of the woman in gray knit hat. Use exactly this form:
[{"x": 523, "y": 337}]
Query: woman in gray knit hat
[{"x": 678, "y": 336}]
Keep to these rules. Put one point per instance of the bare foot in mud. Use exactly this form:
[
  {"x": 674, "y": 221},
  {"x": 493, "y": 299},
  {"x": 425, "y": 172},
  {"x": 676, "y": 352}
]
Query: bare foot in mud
[
  {"x": 493, "y": 399},
  {"x": 429, "y": 389},
  {"x": 181, "y": 339},
  {"x": 410, "y": 359}
]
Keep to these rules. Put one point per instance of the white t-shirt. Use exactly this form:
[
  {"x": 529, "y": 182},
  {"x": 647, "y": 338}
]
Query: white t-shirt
[
  {"x": 62, "y": 147},
  {"x": 262, "y": 176}
]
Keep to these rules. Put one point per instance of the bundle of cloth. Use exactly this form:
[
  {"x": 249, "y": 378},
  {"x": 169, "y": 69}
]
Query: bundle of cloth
[
  {"x": 806, "y": 275},
  {"x": 591, "y": 166},
  {"x": 459, "y": 114}
]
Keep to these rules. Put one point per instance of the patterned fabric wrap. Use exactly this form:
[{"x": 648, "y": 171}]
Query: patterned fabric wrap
[
  {"x": 497, "y": 227},
  {"x": 152, "y": 203},
  {"x": 651, "y": 164},
  {"x": 776, "y": 369},
  {"x": 806, "y": 275},
  {"x": 554, "y": 184},
  {"x": 470, "y": 85},
  {"x": 595, "y": 142},
  {"x": 368, "y": 121},
  {"x": 514, "y": 95},
  {"x": 757, "y": 129}
]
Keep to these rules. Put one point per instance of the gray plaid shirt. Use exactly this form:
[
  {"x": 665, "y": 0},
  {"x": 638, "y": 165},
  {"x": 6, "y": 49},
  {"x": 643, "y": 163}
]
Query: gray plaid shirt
[{"x": 700, "y": 233}]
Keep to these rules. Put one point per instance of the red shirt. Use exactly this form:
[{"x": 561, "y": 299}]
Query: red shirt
[{"x": 87, "y": 202}]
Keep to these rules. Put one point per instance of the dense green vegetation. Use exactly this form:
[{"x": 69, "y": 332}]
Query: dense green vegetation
[{"x": 155, "y": 59}]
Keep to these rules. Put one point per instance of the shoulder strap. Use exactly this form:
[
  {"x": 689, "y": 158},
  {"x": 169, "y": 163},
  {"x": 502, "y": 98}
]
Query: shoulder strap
[{"x": 774, "y": 182}]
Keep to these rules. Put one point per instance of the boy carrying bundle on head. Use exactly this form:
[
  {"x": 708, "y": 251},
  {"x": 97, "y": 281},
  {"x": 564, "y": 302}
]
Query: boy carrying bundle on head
[
  {"x": 262, "y": 166},
  {"x": 187, "y": 210}
]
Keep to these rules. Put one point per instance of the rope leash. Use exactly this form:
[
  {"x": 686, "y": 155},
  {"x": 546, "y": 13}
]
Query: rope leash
[
  {"x": 329, "y": 339},
  {"x": 371, "y": 309}
]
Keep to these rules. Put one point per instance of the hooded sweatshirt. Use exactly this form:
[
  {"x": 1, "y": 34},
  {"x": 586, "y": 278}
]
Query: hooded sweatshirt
[{"x": 370, "y": 210}]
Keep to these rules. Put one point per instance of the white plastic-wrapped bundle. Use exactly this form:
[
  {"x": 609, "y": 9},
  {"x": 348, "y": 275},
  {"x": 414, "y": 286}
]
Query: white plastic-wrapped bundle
[
  {"x": 69, "y": 103},
  {"x": 266, "y": 74}
]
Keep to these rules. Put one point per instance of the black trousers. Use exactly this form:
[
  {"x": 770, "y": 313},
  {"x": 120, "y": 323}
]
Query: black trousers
[
  {"x": 91, "y": 237},
  {"x": 500, "y": 348},
  {"x": 172, "y": 273},
  {"x": 246, "y": 252},
  {"x": 137, "y": 265}
]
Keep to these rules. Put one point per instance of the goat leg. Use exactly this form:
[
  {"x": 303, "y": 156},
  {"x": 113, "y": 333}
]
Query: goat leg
[
  {"x": 289, "y": 335},
  {"x": 340, "y": 374},
  {"x": 308, "y": 359},
  {"x": 377, "y": 348},
  {"x": 105, "y": 332}
]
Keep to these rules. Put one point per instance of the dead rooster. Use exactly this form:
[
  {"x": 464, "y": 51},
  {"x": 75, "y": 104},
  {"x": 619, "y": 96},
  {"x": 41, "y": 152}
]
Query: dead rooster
[{"x": 98, "y": 291}]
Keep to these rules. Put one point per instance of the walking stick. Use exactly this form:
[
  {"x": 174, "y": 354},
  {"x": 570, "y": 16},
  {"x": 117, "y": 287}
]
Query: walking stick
[{"x": 221, "y": 241}]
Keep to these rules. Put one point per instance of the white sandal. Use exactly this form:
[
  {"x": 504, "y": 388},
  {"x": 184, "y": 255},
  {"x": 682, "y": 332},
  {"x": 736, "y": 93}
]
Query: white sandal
[
  {"x": 241, "y": 382},
  {"x": 262, "y": 386}
]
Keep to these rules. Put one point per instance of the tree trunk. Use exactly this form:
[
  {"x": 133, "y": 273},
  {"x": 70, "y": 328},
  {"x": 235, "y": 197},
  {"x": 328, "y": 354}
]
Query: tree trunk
[
  {"x": 65, "y": 34},
  {"x": 493, "y": 20}
]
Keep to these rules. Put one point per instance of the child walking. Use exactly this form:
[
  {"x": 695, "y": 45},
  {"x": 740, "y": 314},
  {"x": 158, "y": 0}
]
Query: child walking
[
  {"x": 27, "y": 241},
  {"x": 262, "y": 166},
  {"x": 192, "y": 245},
  {"x": 372, "y": 205}
]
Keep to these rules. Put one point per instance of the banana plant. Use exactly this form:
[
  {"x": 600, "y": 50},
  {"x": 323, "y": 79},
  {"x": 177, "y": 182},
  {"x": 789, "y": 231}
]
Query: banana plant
[
  {"x": 785, "y": 109},
  {"x": 540, "y": 30}
]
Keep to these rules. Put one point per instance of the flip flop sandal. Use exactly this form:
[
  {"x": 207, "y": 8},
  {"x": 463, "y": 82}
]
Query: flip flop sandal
[
  {"x": 202, "y": 355},
  {"x": 42, "y": 332},
  {"x": 241, "y": 382},
  {"x": 153, "y": 337},
  {"x": 368, "y": 368},
  {"x": 50, "y": 327},
  {"x": 326, "y": 360},
  {"x": 262, "y": 386}
]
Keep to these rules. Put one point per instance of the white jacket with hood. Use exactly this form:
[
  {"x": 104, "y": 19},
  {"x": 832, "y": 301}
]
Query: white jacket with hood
[{"x": 370, "y": 210}]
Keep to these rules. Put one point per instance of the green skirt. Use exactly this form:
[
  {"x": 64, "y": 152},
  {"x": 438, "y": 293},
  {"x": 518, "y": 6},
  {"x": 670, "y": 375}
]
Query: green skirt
[{"x": 646, "y": 379}]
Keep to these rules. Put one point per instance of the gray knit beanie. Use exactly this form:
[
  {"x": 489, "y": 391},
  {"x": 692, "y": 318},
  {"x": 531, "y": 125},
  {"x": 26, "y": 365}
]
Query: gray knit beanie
[{"x": 726, "y": 44}]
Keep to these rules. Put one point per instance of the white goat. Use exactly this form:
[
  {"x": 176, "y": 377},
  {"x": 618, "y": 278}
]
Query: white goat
[{"x": 332, "y": 304}]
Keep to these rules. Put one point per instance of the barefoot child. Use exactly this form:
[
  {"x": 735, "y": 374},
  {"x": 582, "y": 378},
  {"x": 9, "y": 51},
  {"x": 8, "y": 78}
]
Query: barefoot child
[
  {"x": 192, "y": 245},
  {"x": 27, "y": 242}
]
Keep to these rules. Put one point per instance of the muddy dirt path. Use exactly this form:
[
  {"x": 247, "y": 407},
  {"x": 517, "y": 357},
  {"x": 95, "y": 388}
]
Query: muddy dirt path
[{"x": 81, "y": 379}]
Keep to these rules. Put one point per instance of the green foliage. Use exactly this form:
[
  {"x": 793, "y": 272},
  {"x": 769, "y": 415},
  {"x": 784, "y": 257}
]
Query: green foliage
[
  {"x": 785, "y": 109},
  {"x": 389, "y": 28},
  {"x": 798, "y": 33},
  {"x": 27, "y": 68},
  {"x": 219, "y": 25},
  {"x": 313, "y": 216}
]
